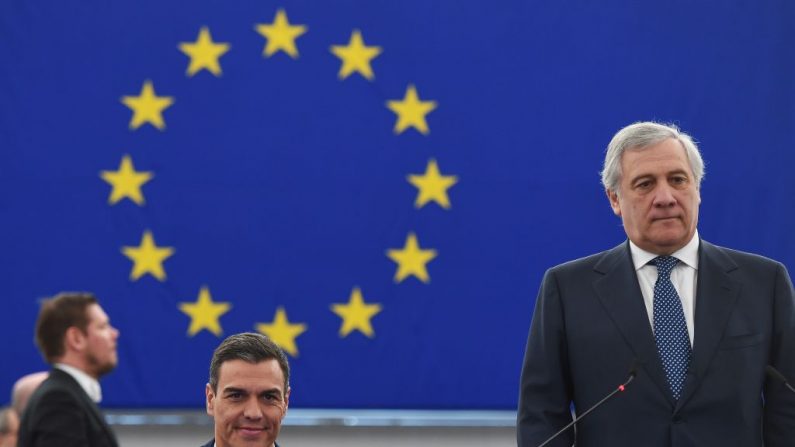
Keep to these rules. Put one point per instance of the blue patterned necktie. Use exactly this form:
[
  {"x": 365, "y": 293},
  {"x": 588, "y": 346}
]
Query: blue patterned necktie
[{"x": 670, "y": 328}]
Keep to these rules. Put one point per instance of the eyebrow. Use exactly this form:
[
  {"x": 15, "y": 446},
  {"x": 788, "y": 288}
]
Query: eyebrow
[
  {"x": 231, "y": 389},
  {"x": 667, "y": 174}
]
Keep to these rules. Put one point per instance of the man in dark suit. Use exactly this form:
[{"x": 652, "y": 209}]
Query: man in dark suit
[
  {"x": 248, "y": 391},
  {"x": 75, "y": 336},
  {"x": 699, "y": 322}
]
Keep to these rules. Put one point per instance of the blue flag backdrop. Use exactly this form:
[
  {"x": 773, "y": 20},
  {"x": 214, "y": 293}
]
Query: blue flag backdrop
[{"x": 379, "y": 186}]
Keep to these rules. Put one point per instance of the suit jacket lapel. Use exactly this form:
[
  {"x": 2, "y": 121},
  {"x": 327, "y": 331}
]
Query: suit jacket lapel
[
  {"x": 98, "y": 416},
  {"x": 619, "y": 292},
  {"x": 716, "y": 296}
]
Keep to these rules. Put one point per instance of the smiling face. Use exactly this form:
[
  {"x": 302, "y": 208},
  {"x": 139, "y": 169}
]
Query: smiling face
[
  {"x": 657, "y": 197},
  {"x": 249, "y": 403}
]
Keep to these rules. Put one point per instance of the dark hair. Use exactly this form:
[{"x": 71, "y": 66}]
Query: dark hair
[
  {"x": 57, "y": 314},
  {"x": 251, "y": 348}
]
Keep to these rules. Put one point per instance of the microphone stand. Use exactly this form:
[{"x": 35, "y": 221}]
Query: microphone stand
[
  {"x": 620, "y": 389},
  {"x": 773, "y": 372}
]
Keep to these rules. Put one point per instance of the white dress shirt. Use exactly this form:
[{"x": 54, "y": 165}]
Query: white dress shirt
[
  {"x": 684, "y": 277},
  {"x": 89, "y": 384}
]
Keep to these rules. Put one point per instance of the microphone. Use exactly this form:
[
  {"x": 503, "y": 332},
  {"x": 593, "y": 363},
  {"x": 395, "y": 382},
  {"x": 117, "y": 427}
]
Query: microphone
[
  {"x": 633, "y": 371},
  {"x": 776, "y": 374}
]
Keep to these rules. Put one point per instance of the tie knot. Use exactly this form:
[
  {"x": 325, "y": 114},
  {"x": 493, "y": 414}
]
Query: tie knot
[{"x": 664, "y": 264}]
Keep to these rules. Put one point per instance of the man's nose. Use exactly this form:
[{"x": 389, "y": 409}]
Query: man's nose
[
  {"x": 663, "y": 196},
  {"x": 252, "y": 409}
]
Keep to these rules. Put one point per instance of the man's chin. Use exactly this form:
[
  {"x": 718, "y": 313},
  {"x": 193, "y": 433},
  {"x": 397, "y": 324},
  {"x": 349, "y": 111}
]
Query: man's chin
[
  {"x": 106, "y": 368},
  {"x": 247, "y": 437},
  {"x": 665, "y": 244}
]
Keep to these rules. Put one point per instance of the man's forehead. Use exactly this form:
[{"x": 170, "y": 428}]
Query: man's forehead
[
  {"x": 237, "y": 373},
  {"x": 668, "y": 143},
  {"x": 96, "y": 313},
  {"x": 651, "y": 154}
]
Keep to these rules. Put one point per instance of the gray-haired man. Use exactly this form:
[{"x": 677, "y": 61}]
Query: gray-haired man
[{"x": 701, "y": 322}]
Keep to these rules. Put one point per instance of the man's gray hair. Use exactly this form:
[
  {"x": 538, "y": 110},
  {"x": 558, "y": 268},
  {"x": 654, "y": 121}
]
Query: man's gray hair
[{"x": 640, "y": 136}]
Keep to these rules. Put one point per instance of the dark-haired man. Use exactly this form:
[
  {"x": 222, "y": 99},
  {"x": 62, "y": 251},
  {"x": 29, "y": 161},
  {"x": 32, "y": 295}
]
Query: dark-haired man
[
  {"x": 248, "y": 391},
  {"x": 75, "y": 336}
]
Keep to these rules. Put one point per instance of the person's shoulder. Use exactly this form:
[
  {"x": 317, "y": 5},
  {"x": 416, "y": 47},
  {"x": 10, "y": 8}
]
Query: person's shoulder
[
  {"x": 739, "y": 258},
  {"x": 58, "y": 389},
  {"x": 590, "y": 262},
  {"x": 58, "y": 381}
]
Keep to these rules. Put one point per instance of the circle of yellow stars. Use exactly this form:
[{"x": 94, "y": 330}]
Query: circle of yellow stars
[{"x": 356, "y": 58}]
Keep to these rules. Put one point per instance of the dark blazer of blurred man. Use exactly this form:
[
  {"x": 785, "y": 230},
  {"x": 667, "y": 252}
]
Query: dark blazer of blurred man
[
  {"x": 596, "y": 316},
  {"x": 248, "y": 391},
  {"x": 75, "y": 336}
]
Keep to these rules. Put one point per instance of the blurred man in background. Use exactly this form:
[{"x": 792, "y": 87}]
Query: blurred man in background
[
  {"x": 75, "y": 336},
  {"x": 248, "y": 392},
  {"x": 24, "y": 388},
  {"x": 9, "y": 426}
]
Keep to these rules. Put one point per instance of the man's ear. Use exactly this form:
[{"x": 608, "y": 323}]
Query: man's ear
[
  {"x": 613, "y": 198},
  {"x": 286, "y": 400},
  {"x": 208, "y": 392},
  {"x": 74, "y": 339}
]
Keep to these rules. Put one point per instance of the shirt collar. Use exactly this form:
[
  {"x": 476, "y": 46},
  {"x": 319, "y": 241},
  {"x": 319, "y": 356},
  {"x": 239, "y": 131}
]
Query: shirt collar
[
  {"x": 687, "y": 254},
  {"x": 89, "y": 384},
  {"x": 215, "y": 444}
]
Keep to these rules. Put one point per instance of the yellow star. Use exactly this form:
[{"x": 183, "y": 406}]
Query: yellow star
[
  {"x": 126, "y": 182},
  {"x": 204, "y": 53},
  {"x": 356, "y": 314},
  {"x": 147, "y": 258},
  {"x": 280, "y": 35},
  {"x": 204, "y": 313},
  {"x": 432, "y": 186},
  {"x": 147, "y": 107},
  {"x": 356, "y": 56},
  {"x": 411, "y": 111},
  {"x": 411, "y": 260},
  {"x": 282, "y": 332}
]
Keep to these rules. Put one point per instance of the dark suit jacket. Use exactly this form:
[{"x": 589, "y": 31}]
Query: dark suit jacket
[
  {"x": 590, "y": 325},
  {"x": 60, "y": 414}
]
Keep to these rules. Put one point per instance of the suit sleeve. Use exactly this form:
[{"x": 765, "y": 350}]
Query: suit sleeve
[
  {"x": 779, "y": 417},
  {"x": 59, "y": 422},
  {"x": 545, "y": 384}
]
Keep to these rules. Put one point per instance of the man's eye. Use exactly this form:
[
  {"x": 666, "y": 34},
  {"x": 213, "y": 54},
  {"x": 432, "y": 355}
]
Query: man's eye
[
  {"x": 234, "y": 396},
  {"x": 678, "y": 180}
]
